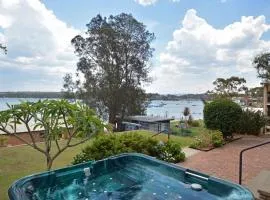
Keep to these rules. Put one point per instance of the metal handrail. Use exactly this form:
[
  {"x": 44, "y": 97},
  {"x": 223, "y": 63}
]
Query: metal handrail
[
  {"x": 241, "y": 158},
  {"x": 197, "y": 176}
]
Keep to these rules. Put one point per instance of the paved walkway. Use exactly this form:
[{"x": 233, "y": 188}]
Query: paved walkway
[
  {"x": 224, "y": 162},
  {"x": 190, "y": 152}
]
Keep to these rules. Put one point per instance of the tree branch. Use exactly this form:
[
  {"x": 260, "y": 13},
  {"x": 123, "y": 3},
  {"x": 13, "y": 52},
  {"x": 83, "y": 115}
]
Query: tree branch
[
  {"x": 65, "y": 121},
  {"x": 18, "y": 137},
  {"x": 57, "y": 144},
  {"x": 29, "y": 131},
  {"x": 83, "y": 141}
]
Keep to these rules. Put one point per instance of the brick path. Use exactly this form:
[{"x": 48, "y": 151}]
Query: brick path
[{"x": 224, "y": 162}]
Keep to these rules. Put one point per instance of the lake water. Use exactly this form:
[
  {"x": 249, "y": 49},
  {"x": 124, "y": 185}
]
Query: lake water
[{"x": 156, "y": 108}]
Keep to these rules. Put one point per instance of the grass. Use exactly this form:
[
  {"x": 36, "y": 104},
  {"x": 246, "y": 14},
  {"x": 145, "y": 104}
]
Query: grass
[
  {"x": 20, "y": 161},
  {"x": 193, "y": 131},
  {"x": 183, "y": 141}
]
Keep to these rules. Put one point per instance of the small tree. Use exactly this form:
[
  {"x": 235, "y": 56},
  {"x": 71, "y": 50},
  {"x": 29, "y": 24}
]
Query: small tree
[
  {"x": 55, "y": 118},
  {"x": 251, "y": 122},
  {"x": 222, "y": 115},
  {"x": 186, "y": 113}
]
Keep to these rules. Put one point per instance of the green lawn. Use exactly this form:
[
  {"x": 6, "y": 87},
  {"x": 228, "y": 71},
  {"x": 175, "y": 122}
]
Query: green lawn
[
  {"x": 184, "y": 141},
  {"x": 16, "y": 162},
  {"x": 194, "y": 131},
  {"x": 20, "y": 161}
]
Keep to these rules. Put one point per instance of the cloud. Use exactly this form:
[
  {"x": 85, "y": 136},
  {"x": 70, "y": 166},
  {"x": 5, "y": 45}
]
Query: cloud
[
  {"x": 199, "y": 53},
  {"x": 146, "y": 2},
  {"x": 38, "y": 43},
  {"x": 151, "y": 2}
]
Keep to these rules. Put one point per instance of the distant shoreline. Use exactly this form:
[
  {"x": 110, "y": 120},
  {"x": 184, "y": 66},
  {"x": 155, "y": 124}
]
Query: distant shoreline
[
  {"x": 150, "y": 96},
  {"x": 31, "y": 94}
]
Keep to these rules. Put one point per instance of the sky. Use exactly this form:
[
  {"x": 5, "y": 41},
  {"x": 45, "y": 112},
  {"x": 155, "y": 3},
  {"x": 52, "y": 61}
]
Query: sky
[{"x": 196, "y": 42}]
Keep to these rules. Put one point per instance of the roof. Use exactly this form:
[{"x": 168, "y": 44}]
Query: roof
[
  {"x": 130, "y": 123},
  {"x": 144, "y": 118}
]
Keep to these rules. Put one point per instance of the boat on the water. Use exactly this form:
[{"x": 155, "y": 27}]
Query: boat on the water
[{"x": 157, "y": 105}]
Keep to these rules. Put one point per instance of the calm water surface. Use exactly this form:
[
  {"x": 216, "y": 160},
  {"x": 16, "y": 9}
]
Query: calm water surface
[{"x": 156, "y": 108}]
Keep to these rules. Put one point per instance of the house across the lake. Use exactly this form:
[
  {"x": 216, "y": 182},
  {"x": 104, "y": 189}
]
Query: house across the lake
[{"x": 152, "y": 123}]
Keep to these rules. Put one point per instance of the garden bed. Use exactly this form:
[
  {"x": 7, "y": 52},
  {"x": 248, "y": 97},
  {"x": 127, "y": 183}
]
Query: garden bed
[
  {"x": 205, "y": 149},
  {"x": 233, "y": 139}
]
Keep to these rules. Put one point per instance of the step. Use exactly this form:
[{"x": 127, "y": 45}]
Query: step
[{"x": 260, "y": 182}]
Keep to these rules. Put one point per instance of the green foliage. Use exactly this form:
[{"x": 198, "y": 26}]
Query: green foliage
[
  {"x": 171, "y": 152},
  {"x": 202, "y": 141},
  {"x": 229, "y": 87},
  {"x": 251, "y": 122},
  {"x": 195, "y": 123},
  {"x": 3, "y": 140},
  {"x": 256, "y": 92},
  {"x": 113, "y": 56},
  {"x": 186, "y": 111},
  {"x": 178, "y": 128},
  {"x": 108, "y": 145},
  {"x": 262, "y": 64},
  {"x": 54, "y": 117},
  {"x": 207, "y": 139},
  {"x": 223, "y": 115},
  {"x": 190, "y": 119},
  {"x": 217, "y": 138}
]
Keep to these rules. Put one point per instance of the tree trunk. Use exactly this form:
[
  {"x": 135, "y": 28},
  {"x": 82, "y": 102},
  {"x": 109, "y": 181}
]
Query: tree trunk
[
  {"x": 49, "y": 163},
  {"x": 112, "y": 117},
  {"x": 169, "y": 135}
]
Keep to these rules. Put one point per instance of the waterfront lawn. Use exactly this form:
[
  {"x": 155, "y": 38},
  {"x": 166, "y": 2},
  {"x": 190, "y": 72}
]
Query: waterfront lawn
[
  {"x": 192, "y": 131},
  {"x": 20, "y": 161},
  {"x": 183, "y": 141}
]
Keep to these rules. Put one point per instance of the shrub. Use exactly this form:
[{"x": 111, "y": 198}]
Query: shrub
[
  {"x": 195, "y": 123},
  {"x": 171, "y": 152},
  {"x": 223, "y": 115},
  {"x": 217, "y": 138},
  {"x": 108, "y": 145},
  {"x": 202, "y": 141},
  {"x": 207, "y": 139},
  {"x": 251, "y": 122}
]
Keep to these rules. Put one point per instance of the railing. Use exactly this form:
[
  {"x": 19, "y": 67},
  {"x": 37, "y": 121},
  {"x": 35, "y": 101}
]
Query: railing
[
  {"x": 241, "y": 159},
  {"x": 197, "y": 176}
]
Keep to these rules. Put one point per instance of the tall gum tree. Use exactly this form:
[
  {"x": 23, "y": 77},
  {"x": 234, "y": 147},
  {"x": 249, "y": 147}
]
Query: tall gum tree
[
  {"x": 114, "y": 56},
  {"x": 229, "y": 87}
]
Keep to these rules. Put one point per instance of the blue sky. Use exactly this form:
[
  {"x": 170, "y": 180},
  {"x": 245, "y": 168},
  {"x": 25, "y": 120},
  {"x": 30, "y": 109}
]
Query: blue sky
[{"x": 196, "y": 40}]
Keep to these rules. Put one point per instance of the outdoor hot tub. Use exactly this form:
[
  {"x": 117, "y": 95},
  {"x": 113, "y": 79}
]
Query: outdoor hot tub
[{"x": 128, "y": 177}]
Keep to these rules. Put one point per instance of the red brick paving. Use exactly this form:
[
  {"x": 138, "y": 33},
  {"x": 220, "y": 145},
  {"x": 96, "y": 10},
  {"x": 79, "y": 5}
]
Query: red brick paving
[{"x": 224, "y": 162}]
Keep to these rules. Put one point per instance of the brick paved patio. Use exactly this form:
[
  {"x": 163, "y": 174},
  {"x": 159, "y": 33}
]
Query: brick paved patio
[{"x": 224, "y": 162}]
